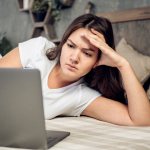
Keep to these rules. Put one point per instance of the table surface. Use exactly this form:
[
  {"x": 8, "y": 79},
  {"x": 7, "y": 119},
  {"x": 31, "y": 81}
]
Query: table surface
[{"x": 91, "y": 134}]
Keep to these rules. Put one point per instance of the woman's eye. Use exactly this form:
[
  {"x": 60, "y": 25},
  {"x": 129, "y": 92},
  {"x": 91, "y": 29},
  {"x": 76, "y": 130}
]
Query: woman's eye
[
  {"x": 88, "y": 54},
  {"x": 70, "y": 45}
]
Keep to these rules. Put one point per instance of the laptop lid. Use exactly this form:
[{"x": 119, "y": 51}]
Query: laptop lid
[{"x": 21, "y": 110}]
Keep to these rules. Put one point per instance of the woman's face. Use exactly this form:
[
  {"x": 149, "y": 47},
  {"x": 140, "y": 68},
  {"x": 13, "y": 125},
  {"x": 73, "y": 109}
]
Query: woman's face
[{"x": 78, "y": 56}]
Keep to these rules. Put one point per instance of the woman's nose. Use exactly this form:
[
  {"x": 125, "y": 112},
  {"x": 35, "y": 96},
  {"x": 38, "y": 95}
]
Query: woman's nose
[{"x": 75, "y": 57}]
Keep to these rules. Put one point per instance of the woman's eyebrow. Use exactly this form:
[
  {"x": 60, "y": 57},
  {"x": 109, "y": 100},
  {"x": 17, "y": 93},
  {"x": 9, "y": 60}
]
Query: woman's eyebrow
[
  {"x": 87, "y": 49},
  {"x": 71, "y": 42}
]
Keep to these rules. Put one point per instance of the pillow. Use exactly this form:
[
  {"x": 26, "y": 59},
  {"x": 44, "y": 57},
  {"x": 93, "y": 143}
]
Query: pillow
[{"x": 139, "y": 62}]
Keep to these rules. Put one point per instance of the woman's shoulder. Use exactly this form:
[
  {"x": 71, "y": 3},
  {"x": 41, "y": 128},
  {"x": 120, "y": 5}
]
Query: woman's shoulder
[
  {"x": 88, "y": 89},
  {"x": 45, "y": 40},
  {"x": 47, "y": 43},
  {"x": 42, "y": 42},
  {"x": 38, "y": 41},
  {"x": 34, "y": 50},
  {"x": 84, "y": 89},
  {"x": 38, "y": 44}
]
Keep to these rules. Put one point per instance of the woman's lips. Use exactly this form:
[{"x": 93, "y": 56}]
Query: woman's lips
[{"x": 71, "y": 67}]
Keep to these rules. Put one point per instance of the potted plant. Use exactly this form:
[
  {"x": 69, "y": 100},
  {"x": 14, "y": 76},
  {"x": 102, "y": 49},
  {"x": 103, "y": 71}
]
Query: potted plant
[{"x": 39, "y": 9}]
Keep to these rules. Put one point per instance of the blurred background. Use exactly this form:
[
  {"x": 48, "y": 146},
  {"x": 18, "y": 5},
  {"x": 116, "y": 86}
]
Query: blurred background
[{"x": 17, "y": 22}]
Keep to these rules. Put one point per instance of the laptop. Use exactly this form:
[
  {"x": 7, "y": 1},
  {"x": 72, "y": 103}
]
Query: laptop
[{"x": 22, "y": 123}]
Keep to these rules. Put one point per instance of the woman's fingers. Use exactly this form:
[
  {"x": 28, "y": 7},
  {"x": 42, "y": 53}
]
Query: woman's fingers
[
  {"x": 98, "y": 34},
  {"x": 99, "y": 43},
  {"x": 95, "y": 39},
  {"x": 91, "y": 35}
]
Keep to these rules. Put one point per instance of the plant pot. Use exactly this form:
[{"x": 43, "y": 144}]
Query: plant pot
[{"x": 39, "y": 16}]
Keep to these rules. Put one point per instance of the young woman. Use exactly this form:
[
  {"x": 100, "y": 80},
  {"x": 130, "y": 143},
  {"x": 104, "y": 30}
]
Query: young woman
[{"x": 84, "y": 75}]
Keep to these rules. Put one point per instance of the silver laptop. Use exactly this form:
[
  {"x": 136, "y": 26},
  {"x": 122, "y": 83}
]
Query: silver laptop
[{"x": 22, "y": 122}]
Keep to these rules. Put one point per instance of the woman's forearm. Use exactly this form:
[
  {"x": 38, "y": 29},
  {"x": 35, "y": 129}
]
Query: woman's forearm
[{"x": 138, "y": 103}]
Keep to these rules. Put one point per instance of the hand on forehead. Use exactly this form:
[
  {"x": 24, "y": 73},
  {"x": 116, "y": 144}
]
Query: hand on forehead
[{"x": 94, "y": 34}]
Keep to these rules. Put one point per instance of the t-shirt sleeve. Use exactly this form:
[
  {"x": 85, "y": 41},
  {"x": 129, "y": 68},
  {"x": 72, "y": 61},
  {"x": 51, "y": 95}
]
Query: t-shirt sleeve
[
  {"x": 33, "y": 49},
  {"x": 86, "y": 96}
]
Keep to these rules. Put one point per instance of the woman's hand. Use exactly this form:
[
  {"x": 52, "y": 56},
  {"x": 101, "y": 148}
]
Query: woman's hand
[{"x": 109, "y": 57}]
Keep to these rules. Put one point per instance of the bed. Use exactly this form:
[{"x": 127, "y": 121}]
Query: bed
[{"x": 91, "y": 134}]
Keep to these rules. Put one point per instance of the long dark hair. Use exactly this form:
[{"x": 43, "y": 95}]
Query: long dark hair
[{"x": 105, "y": 79}]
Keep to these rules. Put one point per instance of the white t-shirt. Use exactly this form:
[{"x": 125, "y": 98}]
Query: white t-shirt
[{"x": 70, "y": 100}]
